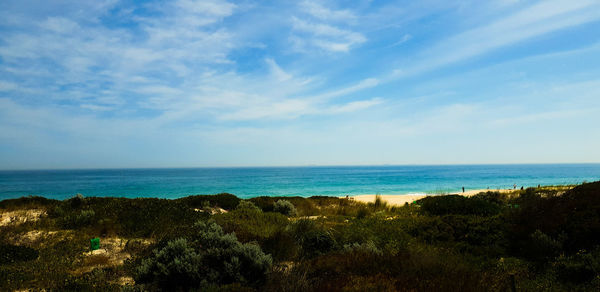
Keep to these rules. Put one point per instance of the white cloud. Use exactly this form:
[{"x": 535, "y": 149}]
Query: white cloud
[
  {"x": 319, "y": 11},
  {"x": 277, "y": 72},
  {"x": 356, "y": 105},
  {"x": 324, "y": 29}
]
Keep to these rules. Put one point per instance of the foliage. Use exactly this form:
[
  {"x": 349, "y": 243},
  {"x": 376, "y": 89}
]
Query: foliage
[
  {"x": 572, "y": 218},
  {"x": 365, "y": 247},
  {"x": 458, "y": 205},
  {"x": 581, "y": 267},
  {"x": 252, "y": 225},
  {"x": 247, "y": 205},
  {"x": 285, "y": 207},
  {"x": 545, "y": 238},
  {"x": 212, "y": 257},
  {"x": 13, "y": 253},
  {"x": 29, "y": 202},
  {"x": 224, "y": 200}
]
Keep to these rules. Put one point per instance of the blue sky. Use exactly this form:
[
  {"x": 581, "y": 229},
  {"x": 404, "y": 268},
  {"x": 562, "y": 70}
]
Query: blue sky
[{"x": 94, "y": 84}]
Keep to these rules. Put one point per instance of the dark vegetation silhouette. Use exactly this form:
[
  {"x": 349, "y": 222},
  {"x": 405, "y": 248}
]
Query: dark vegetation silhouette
[{"x": 545, "y": 238}]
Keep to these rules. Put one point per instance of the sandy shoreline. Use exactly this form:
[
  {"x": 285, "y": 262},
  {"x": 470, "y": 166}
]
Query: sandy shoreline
[{"x": 399, "y": 200}]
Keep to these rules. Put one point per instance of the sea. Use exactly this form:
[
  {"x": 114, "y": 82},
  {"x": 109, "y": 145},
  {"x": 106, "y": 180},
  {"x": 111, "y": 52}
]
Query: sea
[{"x": 246, "y": 182}]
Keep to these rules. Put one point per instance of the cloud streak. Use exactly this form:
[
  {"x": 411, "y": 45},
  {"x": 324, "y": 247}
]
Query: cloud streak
[{"x": 311, "y": 77}]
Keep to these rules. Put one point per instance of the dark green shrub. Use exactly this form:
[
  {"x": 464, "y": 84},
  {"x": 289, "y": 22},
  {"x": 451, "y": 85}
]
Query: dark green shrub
[
  {"x": 580, "y": 267},
  {"x": 304, "y": 206},
  {"x": 365, "y": 247},
  {"x": 363, "y": 212},
  {"x": 312, "y": 239},
  {"x": 317, "y": 242},
  {"x": 281, "y": 245},
  {"x": 542, "y": 246},
  {"x": 14, "y": 253},
  {"x": 460, "y": 205},
  {"x": 431, "y": 230},
  {"x": 247, "y": 205},
  {"x": 175, "y": 265},
  {"x": 75, "y": 220},
  {"x": 284, "y": 207},
  {"x": 252, "y": 225},
  {"x": 225, "y": 201},
  {"x": 29, "y": 202},
  {"x": 573, "y": 217},
  {"x": 211, "y": 257},
  {"x": 77, "y": 201},
  {"x": 493, "y": 197}
]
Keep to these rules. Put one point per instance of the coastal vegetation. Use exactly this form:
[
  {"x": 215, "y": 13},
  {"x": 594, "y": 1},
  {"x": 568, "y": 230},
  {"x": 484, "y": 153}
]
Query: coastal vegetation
[{"x": 545, "y": 238}]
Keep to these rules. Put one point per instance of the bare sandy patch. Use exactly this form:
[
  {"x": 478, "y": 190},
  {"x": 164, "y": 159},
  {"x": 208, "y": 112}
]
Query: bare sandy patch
[
  {"x": 111, "y": 253},
  {"x": 17, "y": 217},
  {"x": 399, "y": 200}
]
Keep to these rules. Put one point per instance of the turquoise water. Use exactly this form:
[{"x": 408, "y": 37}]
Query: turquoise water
[{"x": 287, "y": 181}]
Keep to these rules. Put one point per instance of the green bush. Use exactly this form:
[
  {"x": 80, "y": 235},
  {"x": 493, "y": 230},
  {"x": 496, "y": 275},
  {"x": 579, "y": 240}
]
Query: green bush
[
  {"x": 252, "y": 225},
  {"x": 312, "y": 239},
  {"x": 247, "y": 205},
  {"x": 74, "y": 220},
  {"x": 317, "y": 242},
  {"x": 365, "y": 247},
  {"x": 212, "y": 257},
  {"x": 284, "y": 207}
]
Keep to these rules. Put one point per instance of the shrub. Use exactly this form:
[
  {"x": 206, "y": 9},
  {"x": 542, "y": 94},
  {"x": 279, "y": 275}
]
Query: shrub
[
  {"x": 460, "y": 205},
  {"x": 312, "y": 239},
  {"x": 542, "y": 246},
  {"x": 74, "y": 220},
  {"x": 316, "y": 242},
  {"x": 251, "y": 225},
  {"x": 284, "y": 207},
  {"x": 13, "y": 253},
  {"x": 225, "y": 201},
  {"x": 365, "y": 247},
  {"x": 580, "y": 267},
  {"x": 212, "y": 257},
  {"x": 363, "y": 212},
  {"x": 77, "y": 201},
  {"x": 29, "y": 202},
  {"x": 85, "y": 217},
  {"x": 247, "y": 205},
  {"x": 177, "y": 264}
]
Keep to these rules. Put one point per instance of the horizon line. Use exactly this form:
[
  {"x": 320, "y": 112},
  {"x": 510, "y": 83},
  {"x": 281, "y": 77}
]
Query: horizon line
[{"x": 296, "y": 166}]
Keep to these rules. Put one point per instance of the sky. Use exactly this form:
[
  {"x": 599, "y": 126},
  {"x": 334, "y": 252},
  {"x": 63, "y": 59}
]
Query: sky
[{"x": 111, "y": 84}]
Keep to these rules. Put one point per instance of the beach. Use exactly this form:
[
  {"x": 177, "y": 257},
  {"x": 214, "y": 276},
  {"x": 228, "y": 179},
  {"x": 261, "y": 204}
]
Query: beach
[{"x": 398, "y": 200}]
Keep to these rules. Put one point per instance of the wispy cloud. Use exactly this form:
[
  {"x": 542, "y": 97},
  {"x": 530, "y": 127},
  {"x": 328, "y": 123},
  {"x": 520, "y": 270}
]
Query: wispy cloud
[
  {"x": 287, "y": 77},
  {"x": 532, "y": 21},
  {"x": 323, "y": 28}
]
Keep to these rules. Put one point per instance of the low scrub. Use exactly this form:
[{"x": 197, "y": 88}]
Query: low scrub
[{"x": 211, "y": 258}]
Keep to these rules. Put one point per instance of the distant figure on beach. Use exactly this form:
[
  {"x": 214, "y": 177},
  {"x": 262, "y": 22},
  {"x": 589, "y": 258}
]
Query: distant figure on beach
[
  {"x": 538, "y": 186},
  {"x": 463, "y": 189},
  {"x": 521, "y": 187},
  {"x": 514, "y": 186}
]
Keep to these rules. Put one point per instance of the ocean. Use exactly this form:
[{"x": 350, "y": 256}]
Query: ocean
[{"x": 248, "y": 182}]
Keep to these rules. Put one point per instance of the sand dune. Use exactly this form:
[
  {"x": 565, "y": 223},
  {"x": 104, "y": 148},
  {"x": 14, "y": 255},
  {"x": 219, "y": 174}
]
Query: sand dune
[{"x": 409, "y": 198}]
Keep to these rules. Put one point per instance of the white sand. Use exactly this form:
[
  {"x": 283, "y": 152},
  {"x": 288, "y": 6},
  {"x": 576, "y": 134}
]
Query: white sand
[{"x": 399, "y": 200}]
